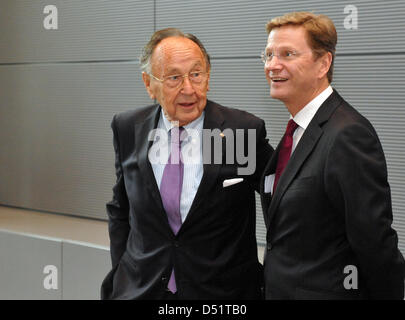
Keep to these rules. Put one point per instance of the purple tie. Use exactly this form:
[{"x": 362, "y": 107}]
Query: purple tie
[{"x": 170, "y": 189}]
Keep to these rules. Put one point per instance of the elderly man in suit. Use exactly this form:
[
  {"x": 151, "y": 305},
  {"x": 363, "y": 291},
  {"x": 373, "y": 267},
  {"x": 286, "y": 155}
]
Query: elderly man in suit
[
  {"x": 178, "y": 229},
  {"x": 325, "y": 195}
]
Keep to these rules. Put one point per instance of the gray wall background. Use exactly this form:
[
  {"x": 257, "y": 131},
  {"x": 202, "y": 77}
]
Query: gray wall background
[{"x": 59, "y": 89}]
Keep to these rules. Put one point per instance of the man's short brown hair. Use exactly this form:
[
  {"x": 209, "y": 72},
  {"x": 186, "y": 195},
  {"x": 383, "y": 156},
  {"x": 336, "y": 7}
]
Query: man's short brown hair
[
  {"x": 158, "y": 36},
  {"x": 321, "y": 32}
]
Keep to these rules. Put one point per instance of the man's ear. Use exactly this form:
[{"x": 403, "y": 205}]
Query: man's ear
[
  {"x": 325, "y": 63},
  {"x": 146, "y": 82}
]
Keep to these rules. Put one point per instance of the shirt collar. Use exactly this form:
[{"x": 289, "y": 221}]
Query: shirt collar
[
  {"x": 196, "y": 124},
  {"x": 305, "y": 115}
]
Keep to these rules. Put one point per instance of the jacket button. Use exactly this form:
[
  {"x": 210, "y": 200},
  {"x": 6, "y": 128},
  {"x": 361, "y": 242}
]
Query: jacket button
[
  {"x": 164, "y": 279},
  {"x": 269, "y": 246},
  {"x": 176, "y": 244}
]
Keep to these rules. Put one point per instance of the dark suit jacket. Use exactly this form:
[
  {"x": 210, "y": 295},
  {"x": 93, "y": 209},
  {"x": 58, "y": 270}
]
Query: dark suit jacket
[
  {"x": 214, "y": 253},
  {"x": 332, "y": 209}
]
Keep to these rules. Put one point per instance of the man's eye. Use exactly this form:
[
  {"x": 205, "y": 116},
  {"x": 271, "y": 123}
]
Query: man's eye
[
  {"x": 195, "y": 74},
  {"x": 288, "y": 54},
  {"x": 173, "y": 78}
]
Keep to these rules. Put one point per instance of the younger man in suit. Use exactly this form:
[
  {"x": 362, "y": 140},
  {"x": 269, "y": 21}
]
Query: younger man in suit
[{"x": 326, "y": 198}]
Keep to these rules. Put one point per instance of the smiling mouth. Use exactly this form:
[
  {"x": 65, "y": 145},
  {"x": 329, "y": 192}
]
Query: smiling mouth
[{"x": 278, "y": 79}]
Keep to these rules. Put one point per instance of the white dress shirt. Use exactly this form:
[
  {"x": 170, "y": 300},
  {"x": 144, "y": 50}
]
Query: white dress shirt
[
  {"x": 193, "y": 172},
  {"x": 305, "y": 115},
  {"x": 302, "y": 119}
]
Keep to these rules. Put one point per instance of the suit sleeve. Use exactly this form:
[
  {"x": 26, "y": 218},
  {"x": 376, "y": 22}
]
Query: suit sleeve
[
  {"x": 118, "y": 207},
  {"x": 356, "y": 181},
  {"x": 264, "y": 151}
]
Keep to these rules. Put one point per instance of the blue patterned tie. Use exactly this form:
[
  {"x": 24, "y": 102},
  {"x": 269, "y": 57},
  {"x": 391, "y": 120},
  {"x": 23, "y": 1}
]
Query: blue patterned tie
[{"x": 170, "y": 189}]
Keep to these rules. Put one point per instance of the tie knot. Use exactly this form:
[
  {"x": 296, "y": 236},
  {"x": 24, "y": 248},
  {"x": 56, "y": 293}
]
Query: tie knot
[
  {"x": 291, "y": 126},
  {"x": 176, "y": 133}
]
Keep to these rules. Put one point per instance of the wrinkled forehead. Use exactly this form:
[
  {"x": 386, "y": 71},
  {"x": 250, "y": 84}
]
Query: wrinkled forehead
[{"x": 177, "y": 53}]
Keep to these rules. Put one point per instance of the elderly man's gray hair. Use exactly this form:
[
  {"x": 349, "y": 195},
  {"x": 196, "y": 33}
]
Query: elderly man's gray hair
[{"x": 158, "y": 36}]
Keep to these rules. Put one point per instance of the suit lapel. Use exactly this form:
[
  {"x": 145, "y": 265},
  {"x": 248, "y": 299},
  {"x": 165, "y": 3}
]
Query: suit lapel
[
  {"x": 303, "y": 150},
  {"x": 270, "y": 169},
  {"x": 271, "y": 165},
  {"x": 142, "y": 146}
]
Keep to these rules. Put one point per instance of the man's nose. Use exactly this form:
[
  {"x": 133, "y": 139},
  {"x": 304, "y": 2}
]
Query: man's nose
[
  {"x": 187, "y": 86},
  {"x": 273, "y": 64}
]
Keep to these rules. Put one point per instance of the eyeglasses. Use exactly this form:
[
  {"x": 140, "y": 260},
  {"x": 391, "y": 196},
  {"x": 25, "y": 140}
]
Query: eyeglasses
[
  {"x": 284, "y": 55},
  {"x": 174, "y": 81}
]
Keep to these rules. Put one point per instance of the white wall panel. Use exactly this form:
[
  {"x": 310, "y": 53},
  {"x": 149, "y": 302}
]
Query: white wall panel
[
  {"x": 84, "y": 269},
  {"x": 22, "y": 263}
]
